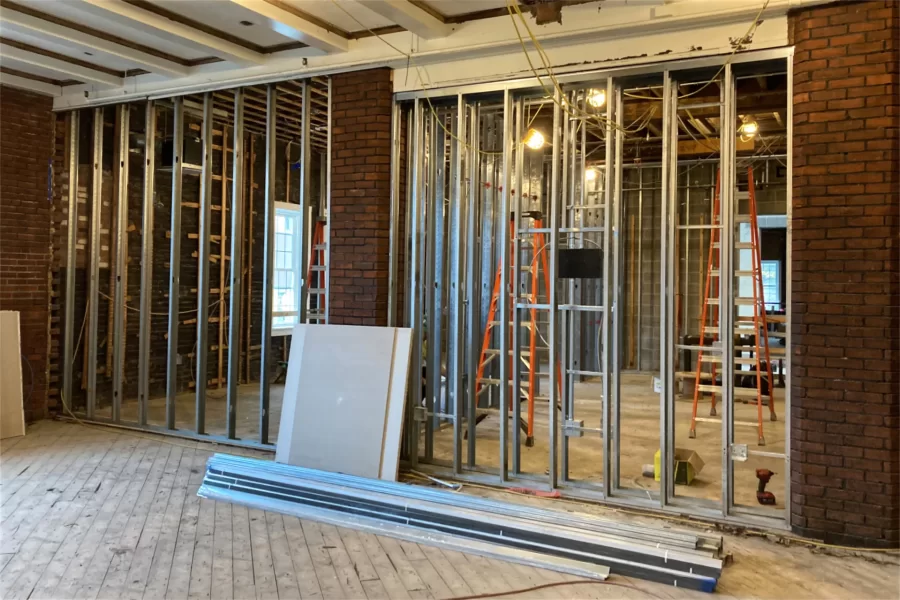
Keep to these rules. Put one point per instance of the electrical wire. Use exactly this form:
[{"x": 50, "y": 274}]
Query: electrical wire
[
  {"x": 737, "y": 45},
  {"x": 552, "y": 584},
  {"x": 159, "y": 314}
]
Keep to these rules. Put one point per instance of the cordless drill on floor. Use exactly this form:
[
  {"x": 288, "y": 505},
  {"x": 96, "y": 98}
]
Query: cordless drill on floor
[{"x": 762, "y": 496}]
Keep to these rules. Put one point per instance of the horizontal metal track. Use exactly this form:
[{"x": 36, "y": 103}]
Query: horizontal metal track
[
  {"x": 270, "y": 483},
  {"x": 674, "y": 538}
]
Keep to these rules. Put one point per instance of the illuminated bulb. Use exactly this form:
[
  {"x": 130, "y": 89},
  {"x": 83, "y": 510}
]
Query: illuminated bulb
[
  {"x": 596, "y": 98},
  {"x": 590, "y": 175},
  {"x": 749, "y": 127},
  {"x": 534, "y": 139}
]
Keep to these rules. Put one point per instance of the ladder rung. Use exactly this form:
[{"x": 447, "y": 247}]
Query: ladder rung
[
  {"x": 738, "y": 360},
  {"x": 522, "y": 324},
  {"x": 317, "y": 268},
  {"x": 738, "y": 245},
  {"x": 710, "y": 420},
  {"x": 496, "y": 352},
  {"x": 715, "y": 273},
  {"x": 739, "y": 392},
  {"x": 706, "y": 376}
]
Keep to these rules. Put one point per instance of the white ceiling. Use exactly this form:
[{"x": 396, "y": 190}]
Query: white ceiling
[{"x": 130, "y": 41}]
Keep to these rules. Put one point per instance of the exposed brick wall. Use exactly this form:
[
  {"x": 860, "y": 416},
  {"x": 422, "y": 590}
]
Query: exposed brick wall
[
  {"x": 26, "y": 146},
  {"x": 360, "y": 196},
  {"x": 845, "y": 389}
]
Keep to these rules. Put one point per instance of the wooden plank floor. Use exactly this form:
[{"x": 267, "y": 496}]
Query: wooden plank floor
[{"x": 91, "y": 512}]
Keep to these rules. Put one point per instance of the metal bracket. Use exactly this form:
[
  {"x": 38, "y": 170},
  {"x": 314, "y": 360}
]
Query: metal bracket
[
  {"x": 420, "y": 414},
  {"x": 573, "y": 428},
  {"x": 739, "y": 452}
]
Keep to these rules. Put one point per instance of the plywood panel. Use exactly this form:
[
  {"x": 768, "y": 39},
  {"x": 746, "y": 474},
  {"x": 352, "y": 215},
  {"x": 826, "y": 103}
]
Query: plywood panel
[{"x": 12, "y": 416}]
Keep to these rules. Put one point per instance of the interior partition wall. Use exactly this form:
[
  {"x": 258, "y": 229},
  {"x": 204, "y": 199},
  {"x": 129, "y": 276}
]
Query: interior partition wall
[
  {"x": 598, "y": 283},
  {"x": 192, "y": 234}
]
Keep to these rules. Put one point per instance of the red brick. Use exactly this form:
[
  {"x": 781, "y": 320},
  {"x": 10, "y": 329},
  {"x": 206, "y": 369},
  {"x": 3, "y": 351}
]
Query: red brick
[
  {"x": 26, "y": 145},
  {"x": 846, "y": 304}
]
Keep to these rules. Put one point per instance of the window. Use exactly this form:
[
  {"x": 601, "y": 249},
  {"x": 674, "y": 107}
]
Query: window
[
  {"x": 771, "y": 280},
  {"x": 287, "y": 274}
]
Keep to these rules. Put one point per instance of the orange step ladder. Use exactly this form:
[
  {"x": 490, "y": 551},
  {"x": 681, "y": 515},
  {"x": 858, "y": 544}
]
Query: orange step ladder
[
  {"x": 539, "y": 253},
  {"x": 755, "y": 326},
  {"x": 315, "y": 276}
]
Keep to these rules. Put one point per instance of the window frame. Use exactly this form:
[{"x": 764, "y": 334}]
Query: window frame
[{"x": 294, "y": 212}]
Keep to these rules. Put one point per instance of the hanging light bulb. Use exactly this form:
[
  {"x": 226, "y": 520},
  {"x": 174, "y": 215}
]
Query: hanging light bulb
[
  {"x": 590, "y": 175},
  {"x": 596, "y": 98},
  {"x": 534, "y": 139},
  {"x": 749, "y": 127}
]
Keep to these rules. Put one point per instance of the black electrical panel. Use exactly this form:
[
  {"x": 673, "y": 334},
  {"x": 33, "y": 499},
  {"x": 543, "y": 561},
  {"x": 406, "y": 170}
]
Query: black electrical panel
[{"x": 580, "y": 263}]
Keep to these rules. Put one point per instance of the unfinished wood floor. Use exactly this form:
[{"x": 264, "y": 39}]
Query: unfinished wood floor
[{"x": 100, "y": 513}]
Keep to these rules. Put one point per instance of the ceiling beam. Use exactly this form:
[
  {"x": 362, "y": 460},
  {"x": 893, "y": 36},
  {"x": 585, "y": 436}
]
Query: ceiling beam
[
  {"x": 221, "y": 47},
  {"x": 410, "y": 16},
  {"x": 31, "y": 85},
  {"x": 282, "y": 19},
  {"x": 149, "y": 62},
  {"x": 77, "y": 71}
]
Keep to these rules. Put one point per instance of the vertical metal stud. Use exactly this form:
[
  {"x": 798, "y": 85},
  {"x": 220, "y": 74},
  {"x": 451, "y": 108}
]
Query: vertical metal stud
[
  {"x": 458, "y": 208},
  {"x": 175, "y": 263},
  {"x": 147, "y": 225},
  {"x": 726, "y": 281},
  {"x": 268, "y": 264},
  {"x": 515, "y": 195},
  {"x": 123, "y": 124},
  {"x": 503, "y": 303},
  {"x": 609, "y": 228},
  {"x": 237, "y": 242},
  {"x": 473, "y": 290},
  {"x": 71, "y": 239},
  {"x": 416, "y": 293},
  {"x": 667, "y": 292},
  {"x": 326, "y": 309},
  {"x": 786, "y": 411},
  {"x": 94, "y": 274},
  {"x": 305, "y": 221},
  {"x": 393, "y": 254},
  {"x": 553, "y": 301},
  {"x": 204, "y": 264},
  {"x": 612, "y": 441}
]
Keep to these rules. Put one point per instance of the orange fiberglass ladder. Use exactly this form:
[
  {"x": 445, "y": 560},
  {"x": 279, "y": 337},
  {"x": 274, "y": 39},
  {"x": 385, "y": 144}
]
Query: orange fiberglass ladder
[
  {"x": 529, "y": 359},
  {"x": 315, "y": 275},
  {"x": 754, "y": 326}
]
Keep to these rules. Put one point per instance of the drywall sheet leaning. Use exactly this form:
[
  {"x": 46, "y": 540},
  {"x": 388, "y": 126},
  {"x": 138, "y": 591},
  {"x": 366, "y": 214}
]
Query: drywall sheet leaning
[
  {"x": 343, "y": 399},
  {"x": 12, "y": 416}
]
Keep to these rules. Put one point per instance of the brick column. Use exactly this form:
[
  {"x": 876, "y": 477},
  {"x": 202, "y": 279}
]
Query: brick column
[
  {"x": 360, "y": 196},
  {"x": 845, "y": 388},
  {"x": 26, "y": 145}
]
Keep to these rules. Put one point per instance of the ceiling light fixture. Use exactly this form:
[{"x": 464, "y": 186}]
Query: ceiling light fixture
[
  {"x": 596, "y": 98},
  {"x": 590, "y": 174},
  {"x": 534, "y": 139},
  {"x": 749, "y": 127}
]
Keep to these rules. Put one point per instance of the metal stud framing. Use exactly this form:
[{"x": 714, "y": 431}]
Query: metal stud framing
[
  {"x": 235, "y": 283},
  {"x": 94, "y": 274},
  {"x": 480, "y": 227},
  {"x": 71, "y": 239},
  {"x": 268, "y": 266},
  {"x": 97, "y": 256},
  {"x": 204, "y": 264},
  {"x": 147, "y": 223},
  {"x": 174, "y": 262},
  {"x": 123, "y": 123}
]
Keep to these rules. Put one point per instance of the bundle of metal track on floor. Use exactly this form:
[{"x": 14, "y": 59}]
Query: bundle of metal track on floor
[{"x": 577, "y": 544}]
